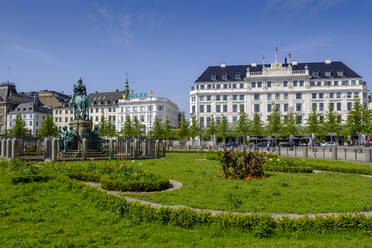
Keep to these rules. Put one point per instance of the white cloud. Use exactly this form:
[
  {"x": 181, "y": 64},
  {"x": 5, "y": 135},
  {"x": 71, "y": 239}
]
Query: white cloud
[{"x": 310, "y": 6}]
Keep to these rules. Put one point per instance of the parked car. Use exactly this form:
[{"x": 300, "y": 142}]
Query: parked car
[
  {"x": 329, "y": 144},
  {"x": 286, "y": 144},
  {"x": 231, "y": 144},
  {"x": 367, "y": 143},
  {"x": 262, "y": 144}
]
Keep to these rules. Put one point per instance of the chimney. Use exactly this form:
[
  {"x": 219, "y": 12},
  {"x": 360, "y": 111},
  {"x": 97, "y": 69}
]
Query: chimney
[
  {"x": 328, "y": 61},
  {"x": 294, "y": 62},
  {"x": 223, "y": 65},
  {"x": 253, "y": 64}
]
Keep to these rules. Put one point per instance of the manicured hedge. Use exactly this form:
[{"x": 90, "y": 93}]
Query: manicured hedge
[
  {"x": 262, "y": 225},
  {"x": 29, "y": 178},
  {"x": 140, "y": 185},
  {"x": 287, "y": 169},
  {"x": 354, "y": 170}
]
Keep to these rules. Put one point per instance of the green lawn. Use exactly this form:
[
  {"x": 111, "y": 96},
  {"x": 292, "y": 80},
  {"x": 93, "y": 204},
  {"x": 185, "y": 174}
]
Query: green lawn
[
  {"x": 51, "y": 214},
  {"x": 278, "y": 193}
]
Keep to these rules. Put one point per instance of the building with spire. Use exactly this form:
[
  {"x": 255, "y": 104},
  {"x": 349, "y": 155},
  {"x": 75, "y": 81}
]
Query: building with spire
[{"x": 115, "y": 105}]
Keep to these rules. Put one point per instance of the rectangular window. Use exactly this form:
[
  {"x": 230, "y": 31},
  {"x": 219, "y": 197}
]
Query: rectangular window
[
  {"x": 319, "y": 83},
  {"x": 298, "y": 96},
  {"x": 241, "y": 86},
  {"x": 235, "y": 108},
  {"x": 268, "y": 84},
  {"x": 353, "y": 82},
  {"x": 225, "y": 108},
  {"x": 299, "y": 119},
  {"x": 329, "y": 83},
  {"x": 218, "y": 119},
  {"x": 331, "y": 95},
  {"x": 285, "y": 107},
  {"x": 209, "y": 86},
  {"x": 314, "y": 106},
  {"x": 321, "y": 95},
  {"x": 237, "y": 76},
  {"x": 349, "y": 106},
  {"x": 253, "y": 84},
  {"x": 201, "y": 98},
  {"x": 338, "y": 95},
  {"x": 285, "y": 83},
  {"x": 286, "y": 96},
  {"x": 268, "y": 96},
  {"x": 241, "y": 97},
  {"x": 97, "y": 118},
  {"x": 313, "y": 95},
  {"x": 356, "y": 94},
  {"x": 345, "y": 83},
  {"x": 257, "y": 108},
  {"x": 348, "y": 94},
  {"x": 277, "y": 96},
  {"x": 241, "y": 108},
  {"x": 201, "y": 121},
  {"x": 335, "y": 83},
  {"x": 208, "y": 98},
  {"x": 269, "y": 107},
  {"x": 312, "y": 84},
  {"x": 218, "y": 86},
  {"x": 202, "y": 86},
  {"x": 209, "y": 108},
  {"x": 259, "y": 84},
  {"x": 235, "y": 120},
  {"x": 301, "y": 83},
  {"x": 321, "y": 106},
  {"x": 208, "y": 121},
  {"x": 294, "y": 83},
  {"x": 298, "y": 107},
  {"x": 218, "y": 108},
  {"x": 224, "y": 76},
  {"x": 225, "y": 86},
  {"x": 235, "y": 97},
  {"x": 213, "y": 77},
  {"x": 234, "y": 86},
  {"x": 256, "y": 96},
  {"x": 201, "y": 108},
  {"x": 193, "y": 109},
  {"x": 217, "y": 97},
  {"x": 338, "y": 106},
  {"x": 225, "y": 97}
]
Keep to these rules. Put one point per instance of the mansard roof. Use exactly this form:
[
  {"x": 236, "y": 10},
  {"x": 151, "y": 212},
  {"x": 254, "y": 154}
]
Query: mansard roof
[{"x": 320, "y": 67}]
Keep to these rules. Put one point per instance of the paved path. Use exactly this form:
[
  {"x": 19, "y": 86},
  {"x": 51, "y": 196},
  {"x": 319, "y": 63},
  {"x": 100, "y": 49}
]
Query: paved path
[{"x": 176, "y": 185}]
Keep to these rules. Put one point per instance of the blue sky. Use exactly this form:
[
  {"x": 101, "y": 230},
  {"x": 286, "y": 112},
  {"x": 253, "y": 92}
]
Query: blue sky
[{"x": 165, "y": 45}]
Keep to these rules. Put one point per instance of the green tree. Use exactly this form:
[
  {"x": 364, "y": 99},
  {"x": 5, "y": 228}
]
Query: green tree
[
  {"x": 212, "y": 130},
  {"x": 290, "y": 125},
  {"x": 157, "y": 129},
  {"x": 257, "y": 126},
  {"x": 195, "y": 129},
  {"x": 19, "y": 128},
  {"x": 332, "y": 123},
  {"x": 126, "y": 131},
  {"x": 48, "y": 128},
  {"x": 314, "y": 125},
  {"x": 357, "y": 118},
  {"x": 110, "y": 129},
  {"x": 274, "y": 123},
  {"x": 167, "y": 129},
  {"x": 102, "y": 127},
  {"x": 223, "y": 129},
  {"x": 183, "y": 132},
  {"x": 242, "y": 126},
  {"x": 137, "y": 129}
]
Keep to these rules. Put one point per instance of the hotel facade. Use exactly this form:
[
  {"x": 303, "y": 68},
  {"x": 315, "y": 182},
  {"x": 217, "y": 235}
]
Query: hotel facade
[{"x": 224, "y": 91}]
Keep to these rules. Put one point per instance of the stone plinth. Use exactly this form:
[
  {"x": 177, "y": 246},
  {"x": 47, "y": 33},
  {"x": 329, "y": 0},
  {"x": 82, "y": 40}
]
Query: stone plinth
[{"x": 80, "y": 125}]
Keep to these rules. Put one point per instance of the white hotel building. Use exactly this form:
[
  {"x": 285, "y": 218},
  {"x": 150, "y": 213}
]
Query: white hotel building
[
  {"x": 224, "y": 90},
  {"x": 116, "y": 105}
]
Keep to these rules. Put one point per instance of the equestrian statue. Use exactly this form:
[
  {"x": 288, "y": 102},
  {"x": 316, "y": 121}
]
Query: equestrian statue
[{"x": 80, "y": 101}]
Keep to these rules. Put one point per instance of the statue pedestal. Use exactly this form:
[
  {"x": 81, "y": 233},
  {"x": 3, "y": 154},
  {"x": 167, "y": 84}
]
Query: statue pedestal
[{"x": 80, "y": 125}]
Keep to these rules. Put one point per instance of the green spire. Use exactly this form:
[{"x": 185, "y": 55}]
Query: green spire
[{"x": 126, "y": 88}]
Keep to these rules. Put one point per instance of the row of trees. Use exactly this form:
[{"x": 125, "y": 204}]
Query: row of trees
[{"x": 359, "y": 121}]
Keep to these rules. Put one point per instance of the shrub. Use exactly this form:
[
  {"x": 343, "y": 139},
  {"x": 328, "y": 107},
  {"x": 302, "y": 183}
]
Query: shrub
[
  {"x": 241, "y": 165},
  {"x": 140, "y": 185},
  {"x": 288, "y": 165}
]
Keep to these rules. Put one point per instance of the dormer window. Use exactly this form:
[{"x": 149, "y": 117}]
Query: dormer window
[
  {"x": 224, "y": 76},
  {"x": 327, "y": 73},
  {"x": 213, "y": 77},
  {"x": 340, "y": 73},
  {"x": 315, "y": 74},
  {"x": 202, "y": 86},
  {"x": 238, "y": 76}
]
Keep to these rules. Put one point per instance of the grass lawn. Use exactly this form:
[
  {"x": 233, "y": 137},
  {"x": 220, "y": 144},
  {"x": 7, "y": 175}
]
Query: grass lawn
[
  {"x": 50, "y": 214},
  {"x": 278, "y": 193}
]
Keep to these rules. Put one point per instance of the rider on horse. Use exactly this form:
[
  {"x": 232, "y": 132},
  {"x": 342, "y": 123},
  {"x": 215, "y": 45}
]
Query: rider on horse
[{"x": 80, "y": 101}]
